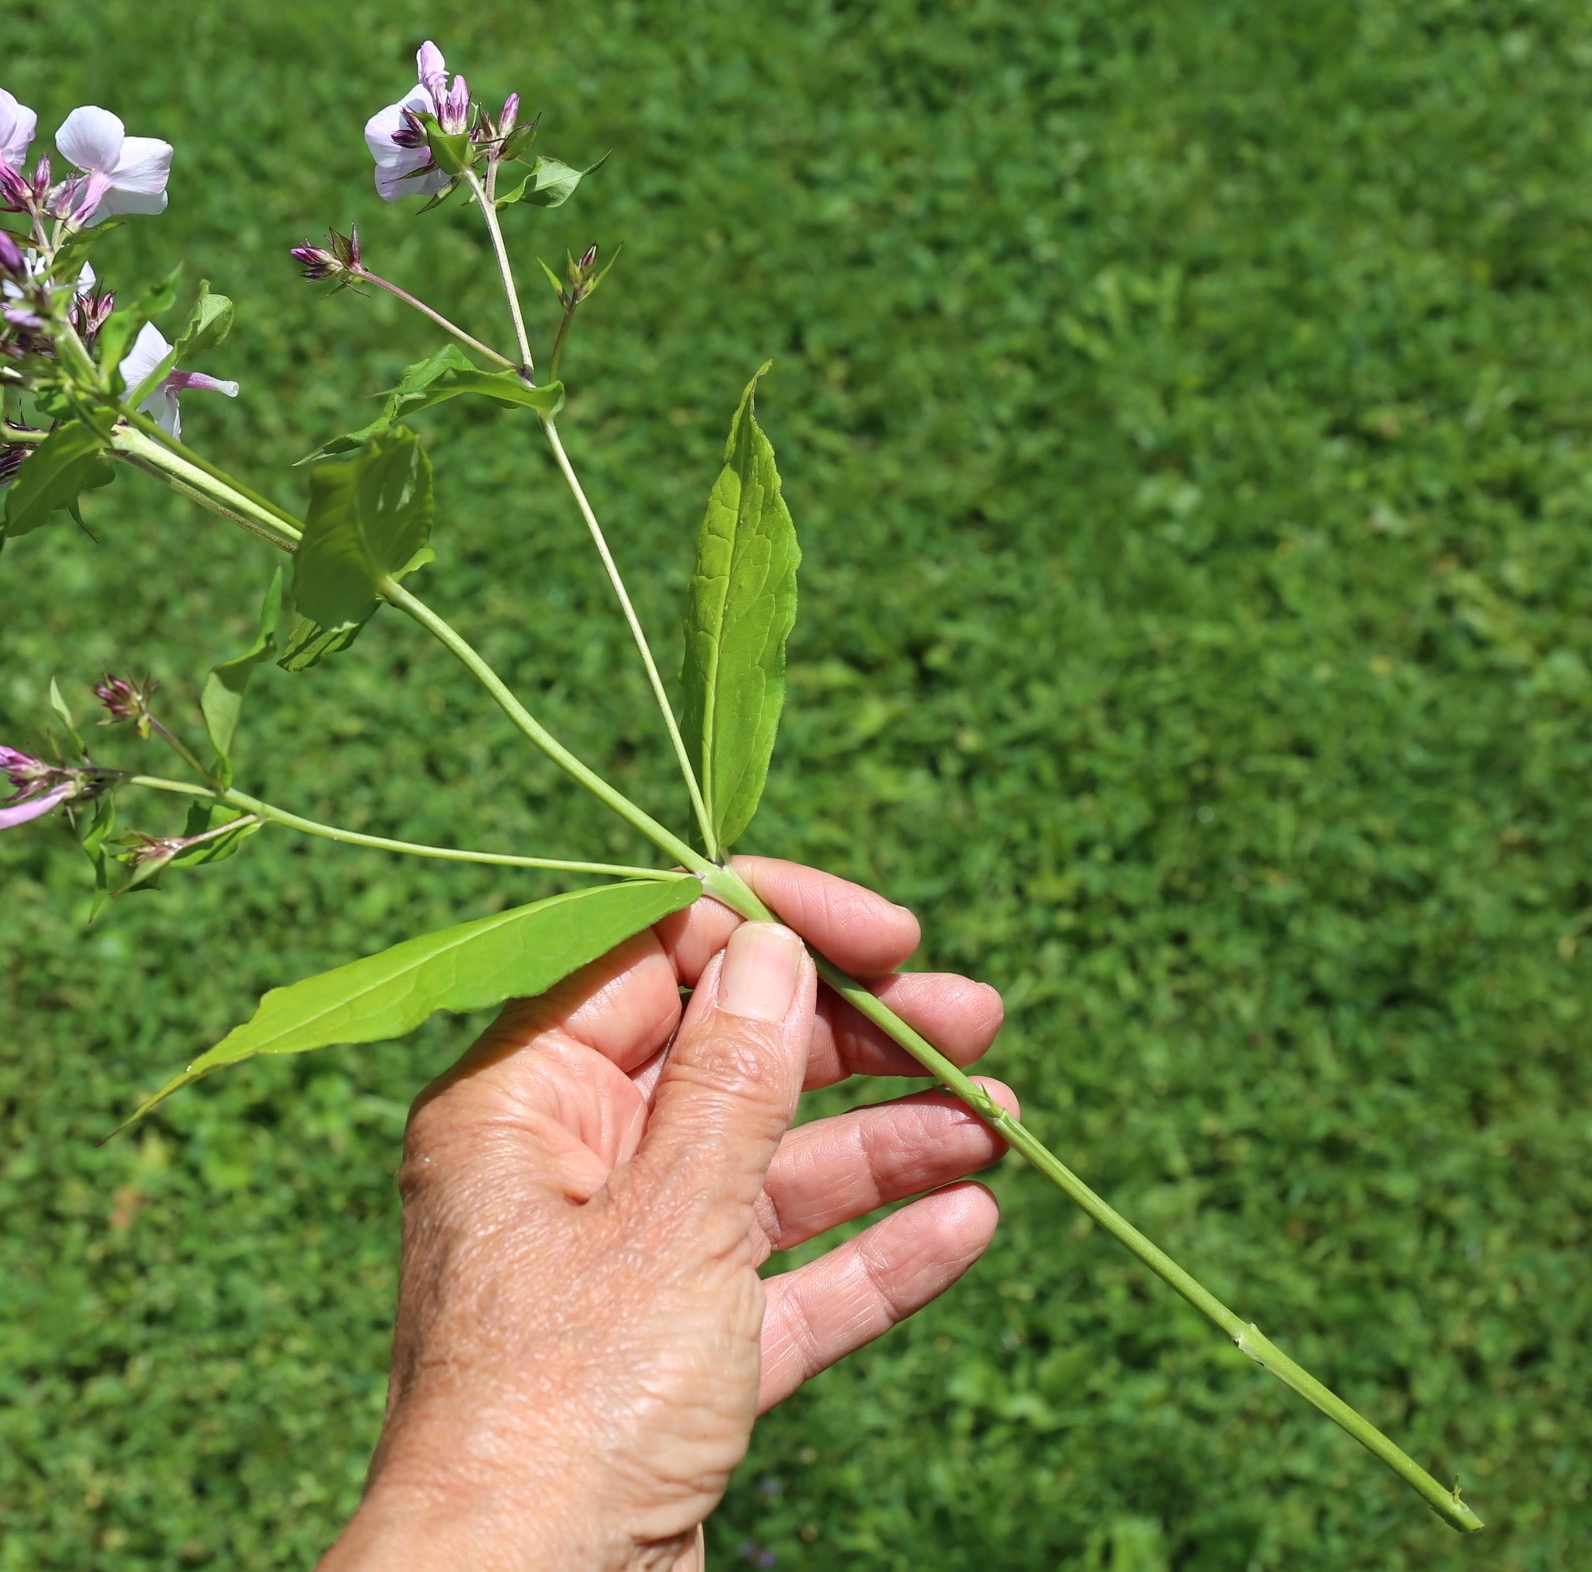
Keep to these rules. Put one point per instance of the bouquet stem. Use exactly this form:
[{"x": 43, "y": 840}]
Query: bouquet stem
[{"x": 725, "y": 885}]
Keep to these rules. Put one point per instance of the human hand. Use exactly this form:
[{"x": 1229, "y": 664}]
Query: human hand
[{"x": 583, "y": 1340}]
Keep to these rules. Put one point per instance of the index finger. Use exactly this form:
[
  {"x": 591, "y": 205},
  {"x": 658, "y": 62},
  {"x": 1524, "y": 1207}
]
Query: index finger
[{"x": 857, "y": 929}]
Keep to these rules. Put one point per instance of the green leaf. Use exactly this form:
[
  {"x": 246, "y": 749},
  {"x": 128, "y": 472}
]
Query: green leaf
[
  {"x": 208, "y": 323},
  {"x": 53, "y": 476},
  {"x": 92, "y": 831},
  {"x": 368, "y": 517},
  {"x": 309, "y": 643},
  {"x": 469, "y": 967},
  {"x": 222, "y": 698},
  {"x": 548, "y": 183},
  {"x": 444, "y": 375},
  {"x": 64, "y": 715},
  {"x": 203, "y": 819},
  {"x": 740, "y": 608},
  {"x": 123, "y": 324}
]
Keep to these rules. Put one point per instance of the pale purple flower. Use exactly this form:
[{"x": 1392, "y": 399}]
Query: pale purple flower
[
  {"x": 149, "y": 349},
  {"x": 397, "y": 140},
  {"x": 16, "y": 812},
  {"x": 17, "y": 125},
  {"x": 121, "y": 173},
  {"x": 40, "y": 787}
]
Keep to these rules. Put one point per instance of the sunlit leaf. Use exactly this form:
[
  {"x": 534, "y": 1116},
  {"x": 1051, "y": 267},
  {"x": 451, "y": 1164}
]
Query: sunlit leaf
[
  {"x": 740, "y": 608},
  {"x": 369, "y": 517},
  {"x": 53, "y": 476},
  {"x": 444, "y": 375},
  {"x": 468, "y": 967}
]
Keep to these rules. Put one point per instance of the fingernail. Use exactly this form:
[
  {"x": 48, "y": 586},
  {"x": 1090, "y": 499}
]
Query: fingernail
[{"x": 761, "y": 964}]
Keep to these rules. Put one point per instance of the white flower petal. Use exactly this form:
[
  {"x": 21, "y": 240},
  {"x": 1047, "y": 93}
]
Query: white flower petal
[
  {"x": 392, "y": 184},
  {"x": 144, "y": 166},
  {"x": 118, "y": 201},
  {"x": 162, "y": 405},
  {"x": 87, "y": 279},
  {"x": 149, "y": 349},
  {"x": 17, "y": 125},
  {"x": 91, "y": 138}
]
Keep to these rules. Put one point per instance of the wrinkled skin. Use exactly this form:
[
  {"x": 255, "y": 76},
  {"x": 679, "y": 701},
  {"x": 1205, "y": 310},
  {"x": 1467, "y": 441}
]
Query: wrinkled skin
[{"x": 583, "y": 1340}]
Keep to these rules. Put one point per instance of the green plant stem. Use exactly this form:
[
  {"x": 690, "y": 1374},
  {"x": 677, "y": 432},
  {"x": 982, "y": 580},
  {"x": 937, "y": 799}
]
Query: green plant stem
[
  {"x": 698, "y": 806},
  {"x": 725, "y": 885},
  {"x": 197, "y": 482},
  {"x": 20, "y": 436},
  {"x": 486, "y": 197},
  {"x": 468, "y": 340},
  {"x": 292, "y": 525},
  {"x": 557, "y": 356},
  {"x": 471, "y": 659},
  {"x": 331, "y": 832}
]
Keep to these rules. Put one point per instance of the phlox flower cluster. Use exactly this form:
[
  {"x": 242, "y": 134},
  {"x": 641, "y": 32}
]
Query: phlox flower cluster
[{"x": 115, "y": 175}]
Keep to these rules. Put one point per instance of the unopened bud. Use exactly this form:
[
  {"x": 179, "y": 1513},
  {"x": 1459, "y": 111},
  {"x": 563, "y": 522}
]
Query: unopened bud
[
  {"x": 336, "y": 259},
  {"x": 511, "y": 113},
  {"x": 15, "y": 193},
  {"x": 126, "y": 701},
  {"x": 12, "y": 263},
  {"x": 587, "y": 257}
]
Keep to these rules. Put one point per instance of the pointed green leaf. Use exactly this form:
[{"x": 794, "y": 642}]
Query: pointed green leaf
[
  {"x": 309, "y": 643},
  {"x": 547, "y": 183},
  {"x": 222, "y": 698},
  {"x": 208, "y": 323},
  {"x": 53, "y": 475},
  {"x": 64, "y": 715},
  {"x": 444, "y": 375},
  {"x": 468, "y": 967},
  {"x": 740, "y": 608},
  {"x": 367, "y": 518}
]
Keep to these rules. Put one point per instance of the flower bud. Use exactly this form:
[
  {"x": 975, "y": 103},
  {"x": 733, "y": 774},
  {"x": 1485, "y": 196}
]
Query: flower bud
[
  {"x": 15, "y": 193},
  {"x": 338, "y": 258},
  {"x": 12, "y": 263},
  {"x": 126, "y": 701},
  {"x": 511, "y": 113}
]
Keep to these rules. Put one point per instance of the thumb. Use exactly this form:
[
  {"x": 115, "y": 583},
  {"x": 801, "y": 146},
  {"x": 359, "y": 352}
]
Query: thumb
[{"x": 729, "y": 1086}]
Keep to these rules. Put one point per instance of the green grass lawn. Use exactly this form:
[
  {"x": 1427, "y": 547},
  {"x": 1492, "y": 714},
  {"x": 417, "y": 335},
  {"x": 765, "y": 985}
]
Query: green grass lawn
[{"x": 1187, "y": 412}]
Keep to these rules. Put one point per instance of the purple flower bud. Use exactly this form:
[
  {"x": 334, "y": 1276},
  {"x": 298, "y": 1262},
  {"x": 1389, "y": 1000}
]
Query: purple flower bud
[
  {"x": 339, "y": 256},
  {"x": 587, "y": 257},
  {"x": 15, "y": 193},
  {"x": 89, "y": 313},
  {"x": 12, "y": 459},
  {"x": 317, "y": 262},
  {"x": 41, "y": 180},
  {"x": 126, "y": 701},
  {"x": 453, "y": 107},
  {"x": 152, "y": 849},
  {"x": 23, "y": 769},
  {"x": 11, "y": 259},
  {"x": 511, "y": 113},
  {"x": 411, "y": 133}
]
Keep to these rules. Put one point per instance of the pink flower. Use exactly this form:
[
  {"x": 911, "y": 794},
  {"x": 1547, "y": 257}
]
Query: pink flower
[
  {"x": 149, "y": 349},
  {"x": 40, "y": 787},
  {"x": 397, "y": 140},
  {"x": 121, "y": 173}
]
